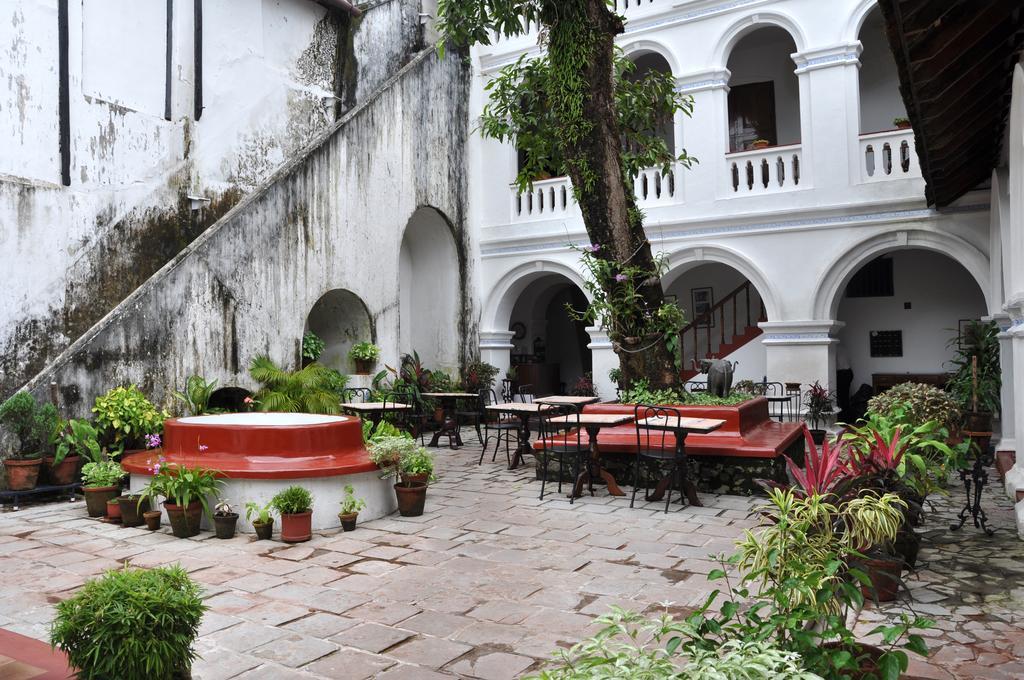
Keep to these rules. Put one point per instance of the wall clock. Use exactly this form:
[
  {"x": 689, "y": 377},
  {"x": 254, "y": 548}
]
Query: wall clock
[{"x": 518, "y": 330}]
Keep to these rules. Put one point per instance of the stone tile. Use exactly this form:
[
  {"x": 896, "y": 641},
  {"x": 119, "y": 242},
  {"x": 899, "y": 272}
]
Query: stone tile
[
  {"x": 275, "y": 613},
  {"x": 433, "y": 652},
  {"x": 321, "y": 625},
  {"x": 371, "y": 637},
  {"x": 496, "y": 666},
  {"x": 246, "y": 636},
  {"x": 438, "y": 624},
  {"x": 294, "y": 650},
  {"x": 405, "y": 672},
  {"x": 221, "y": 664},
  {"x": 349, "y": 664}
]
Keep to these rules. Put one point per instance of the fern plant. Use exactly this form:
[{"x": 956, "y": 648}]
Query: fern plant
[{"x": 307, "y": 390}]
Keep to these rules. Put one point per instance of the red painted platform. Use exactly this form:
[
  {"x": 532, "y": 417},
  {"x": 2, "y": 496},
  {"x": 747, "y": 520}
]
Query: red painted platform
[
  {"x": 748, "y": 431},
  {"x": 24, "y": 657},
  {"x": 261, "y": 446}
]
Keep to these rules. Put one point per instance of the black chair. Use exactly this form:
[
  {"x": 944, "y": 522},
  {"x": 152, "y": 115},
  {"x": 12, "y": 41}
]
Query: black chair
[
  {"x": 656, "y": 449},
  {"x": 354, "y": 395},
  {"x": 508, "y": 391},
  {"x": 561, "y": 439},
  {"x": 525, "y": 394},
  {"x": 407, "y": 420},
  {"x": 476, "y": 416},
  {"x": 777, "y": 398},
  {"x": 502, "y": 425}
]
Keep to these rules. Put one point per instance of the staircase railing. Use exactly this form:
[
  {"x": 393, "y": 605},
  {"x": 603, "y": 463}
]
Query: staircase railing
[{"x": 739, "y": 306}]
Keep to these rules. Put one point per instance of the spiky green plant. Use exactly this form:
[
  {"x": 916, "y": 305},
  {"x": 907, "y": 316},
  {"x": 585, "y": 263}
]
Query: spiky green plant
[
  {"x": 307, "y": 390},
  {"x": 196, "y": 395}
]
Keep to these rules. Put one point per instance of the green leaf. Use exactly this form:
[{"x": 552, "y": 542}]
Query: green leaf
[
  {"x": 916, "y": 644},
  {"x": 716, "y": 574}
]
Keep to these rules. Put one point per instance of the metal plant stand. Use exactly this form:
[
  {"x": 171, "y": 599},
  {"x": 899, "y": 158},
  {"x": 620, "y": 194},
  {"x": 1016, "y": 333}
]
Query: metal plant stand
[
  {"x": 14, "y": 497},
  {"x": 975, "y": 478}
]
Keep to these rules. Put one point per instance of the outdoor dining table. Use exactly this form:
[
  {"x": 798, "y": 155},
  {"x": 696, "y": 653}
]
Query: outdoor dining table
[
  {"x": 450, "y": 426},
  {"x": 523, "y": 411},
  {"x": 375, "y": 410},
  {"x": 680, "y": 427},
  {"x": 562, "y": 400},
  {"x": 592, "y": 423}
]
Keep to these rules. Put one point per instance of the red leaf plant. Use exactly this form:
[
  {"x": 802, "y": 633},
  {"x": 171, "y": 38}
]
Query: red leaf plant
[
  {"x": 824, "y": 470},
  {"x": 881, "y": 458}
]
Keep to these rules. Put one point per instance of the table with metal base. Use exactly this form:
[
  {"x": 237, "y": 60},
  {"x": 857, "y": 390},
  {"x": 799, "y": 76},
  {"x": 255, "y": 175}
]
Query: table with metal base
[
  {"x": 592, "y": 423},
  {"x": 680, "y": 428},
  {"x": 450, "y": 425},
  {"x": 523, "y": 411}
]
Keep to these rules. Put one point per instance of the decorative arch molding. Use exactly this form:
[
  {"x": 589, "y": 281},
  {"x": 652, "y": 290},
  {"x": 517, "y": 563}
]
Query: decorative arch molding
[
  {"x": 857, "y": 18},
  {"x": 635, "y": 48},
  {"x": 687, "y": 258},
  {"x": 503, "y": 296},
  {"x": 842, "y": 268},
  {"x": 750, "y": 23}
]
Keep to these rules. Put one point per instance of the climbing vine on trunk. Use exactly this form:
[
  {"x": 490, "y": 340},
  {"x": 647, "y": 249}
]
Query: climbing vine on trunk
[{"x": 581, "y": 110}]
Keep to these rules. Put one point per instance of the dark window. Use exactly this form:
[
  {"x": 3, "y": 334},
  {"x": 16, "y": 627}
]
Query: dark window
[
  {"x": 752, "y": 115},
  {"x": 886, "y": 343},
  {"x": 873, "y": 280}
]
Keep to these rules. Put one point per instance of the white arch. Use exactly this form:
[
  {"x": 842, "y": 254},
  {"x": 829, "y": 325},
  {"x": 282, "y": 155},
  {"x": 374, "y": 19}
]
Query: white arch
[
  {"x": 750, "y": 23},
  {"x": 503, "y": 296},
  {"x": 857, "y": 18},
  {"x": 637, "y": 47},
  {"x": 832, "y": 283},
  {"x": 691, "y": 256}
]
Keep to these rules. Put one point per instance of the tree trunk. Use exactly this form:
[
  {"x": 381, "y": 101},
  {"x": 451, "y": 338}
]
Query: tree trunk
[{"x": 605, "y": 196}]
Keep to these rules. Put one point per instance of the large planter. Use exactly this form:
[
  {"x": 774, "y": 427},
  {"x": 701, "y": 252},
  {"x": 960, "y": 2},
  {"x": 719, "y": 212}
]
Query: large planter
[
  {"x": 348, "y": 520},
  {"x": 22, "y": 474},
  {"x": 184, "y": 520},
  {"x": 96, "y": 498},
  {"x": 884, "y": 573},
  {"x": 364, "y": 366},
  {"x": 298, "y": 527},
  {"x": 132, "y": 508},
  {"x": 224, "y": 525},
  {"x": 264, "y": 530},
  {"x": 411, "y": 499},
  {"x": 64, "y": 472}
]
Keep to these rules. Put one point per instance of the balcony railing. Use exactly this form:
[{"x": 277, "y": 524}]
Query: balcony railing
[
  {"x": 552, "y": 198},
  {"x": 888, "y": 155},
  {"x": 764, "y": 171}
]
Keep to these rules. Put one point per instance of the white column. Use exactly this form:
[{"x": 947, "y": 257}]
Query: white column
[
  {"x": 801, "y": 351},
  {"x": 705, "y": 136},
  {"x": 603, "y": 359},
  {"x": 495, "y": 349}
]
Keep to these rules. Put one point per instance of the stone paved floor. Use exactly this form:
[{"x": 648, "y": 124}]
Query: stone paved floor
[{"x": 485, "y": 584}]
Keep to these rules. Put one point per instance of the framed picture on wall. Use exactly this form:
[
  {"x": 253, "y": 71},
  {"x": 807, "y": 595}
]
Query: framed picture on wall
[
  {"x": 963, "y": 327},
  {"x": 703, "y": 300}
]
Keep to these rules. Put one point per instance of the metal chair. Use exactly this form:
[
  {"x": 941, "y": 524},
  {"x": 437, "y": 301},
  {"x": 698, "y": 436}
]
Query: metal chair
[
  {"x": 353, "y": 395},
  {"x": 408, "y": 420},
  {"x": 562, "y": 440},
  {"x": 476, "y": 416},
  {"x": 525, "y": 394},
  {"x": 775, "y": 392},
  {"x": 656, "y": 448},
  {"x": 503, "y": 425},
  {"x": 508, "y": 391}
]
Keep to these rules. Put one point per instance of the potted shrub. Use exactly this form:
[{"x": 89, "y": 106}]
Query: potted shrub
[
  {"x": 224, "y": 519},
  {"x": 417, "y": 465},
  {"x": 760, "y": 144},
  {"x": 77, "y": 440},
  {"x": 365, "y": 356},
  {"x": 185, "y": 491},
  {"x": 818, "y": 402},
  {"x": 133, "y": 506},
  {"x": 33, "y": 426},
  {"x": 126, "y": 416},
  {"x": 388, "y": 453},
  {"x": 152, "y": 518},
  {"x": 977, "y": 379},
  {"x": 131, "y": 623},
  {"x": 901, "y": 122},
  {"x": 114, "y": 509},
  {"x": 261, "y": 518},
  {"x": 101, "y": 482},
  {"x": 350, "y": 507},
  {"x": 312, "y": 347},
  {"x": 479, "y": 375},
  {"x": 295, "y": 506}
]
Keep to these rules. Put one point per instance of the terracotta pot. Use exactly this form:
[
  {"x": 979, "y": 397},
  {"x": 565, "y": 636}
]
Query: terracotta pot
[
  {"x": 868, "y": 655},
  {"x": 152, "y": 518},
  {"x": 132, "y": 509},
  {"x": 64, "y": 473},
  {"x": 904, "y": 125},
  {"x": 1004, "y": 461},
  {"x": 22, "y": 475},
  {"x": 184, "y": 521},
  {"x": 264, "y": 530},
  {"x": 96, "y": 498},
  {"x": 411, "y": 499},
  {"x": 364, "y": 366},
  {"x": 884, "y": 573},
  {"x": 761, "y": 145},
  {"x": 348, "y": 520},
  {"x": 224, "y": 525},
  {"x": 114, "y": 509},
  {"x": 298, "y": 527}
]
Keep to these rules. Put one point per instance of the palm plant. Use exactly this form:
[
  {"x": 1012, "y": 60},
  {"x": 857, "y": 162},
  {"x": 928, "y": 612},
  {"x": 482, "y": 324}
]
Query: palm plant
[{"x": 307, "y": 390}]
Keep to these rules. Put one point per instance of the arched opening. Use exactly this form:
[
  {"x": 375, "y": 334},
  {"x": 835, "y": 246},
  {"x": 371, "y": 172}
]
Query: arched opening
[
  {"x": 549, "y": 346},
  {"x": 230, "y": 399},
  {"x": 722, "y": 309},
  {"x": 341, "y": 319},
  {"x": 429, "y": 291},
  {"x": 880, "y": 100},
  {"x": 901, "y": 310},
  {"x": 764, "y": 91},
  {"x": 647, "y": 62}
]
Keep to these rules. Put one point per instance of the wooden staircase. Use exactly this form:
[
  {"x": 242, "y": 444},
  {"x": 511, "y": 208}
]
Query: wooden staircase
[{"x": 735, "y": 318}]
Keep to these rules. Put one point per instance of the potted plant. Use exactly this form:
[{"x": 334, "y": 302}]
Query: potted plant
[
  {"x": 295, "y": 506},
  {"x": 389, "y": 454},
  {"x": 261, "y": 518},
  {"x": 114, "y": 509},
  {"x": 195, "y": 398},
  {"x": 313, "y": 389},
  {"x": 350, "y": 507},
  {"x": 760, "y": 144},
  {"x": 818, "y": 402},
  {"x": 479, "y": 375},
  {"x": 101, "y": 482},
  {"x": 615, "y": 375},
  {"x": 312, "y": 347},
  {"x": 33, "y": 426},
  {"x": 133, "y": 507},
  {"x": 125, "y": 416},
  {"x": 977, "y": 379},
  {"x": 75, "y": 440},
  {"x": 901, "y": 122},
  {"x": 131, "y": 623},
  {"x": 152, "y": 518},
  {"x": 185, "y": 491},
  {"x": 364, "y": 355},
  {"x": 224, "y": 519},
  {"x": 417, "y": 465}
]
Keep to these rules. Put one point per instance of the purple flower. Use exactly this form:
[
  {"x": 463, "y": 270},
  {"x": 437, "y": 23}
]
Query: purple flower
[
  {"x": 621, "y": 277},
  {"x": 593, "y": 247},
  {"x": 203, "y": 447},
  {"x": 156, "y": 469},
  {"x": 153, "y": 441}
]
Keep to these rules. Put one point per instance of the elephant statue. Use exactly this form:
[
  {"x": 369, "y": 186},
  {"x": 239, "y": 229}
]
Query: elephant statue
[{"x": 719, "y": 372}]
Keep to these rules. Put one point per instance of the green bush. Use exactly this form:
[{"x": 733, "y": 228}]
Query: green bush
[
  {"x": 916, "y": 404},
  {"x": 418, "y": 461},
  {"x": 641, "y": 393},
  {"x": 364, "y": 351},
  {"x": 78, "y": 438},
  {"x": 102, "y": 473},
  {"x": 312, "y": 346},
  {"x": 479, "y": 375},
  {"x": 127, "y": 416},
  {"x": 292, "y": 501},
  {"x": 131, "y": 624},
  {"x": 33, "y": 425},
  {"x": 976, "y": 384},
  {"x": 308, "y": 390}
]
